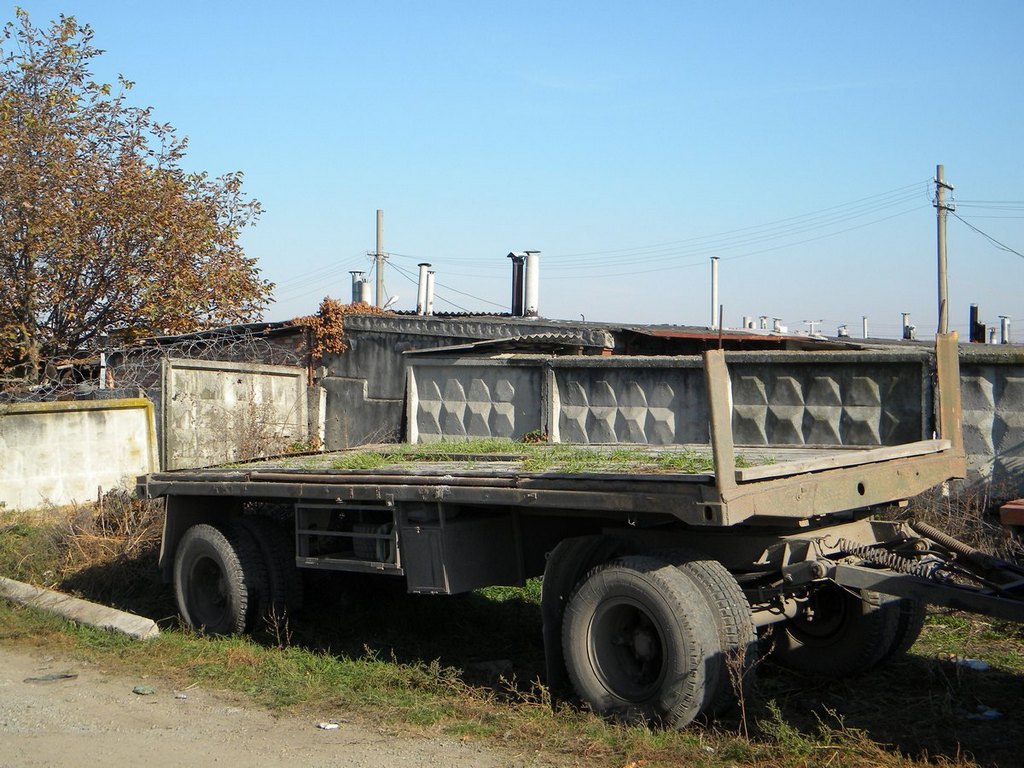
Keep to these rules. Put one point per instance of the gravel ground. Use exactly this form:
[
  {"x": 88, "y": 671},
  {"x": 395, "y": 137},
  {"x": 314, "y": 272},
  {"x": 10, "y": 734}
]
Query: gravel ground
[{"x": 56, "y": 712}]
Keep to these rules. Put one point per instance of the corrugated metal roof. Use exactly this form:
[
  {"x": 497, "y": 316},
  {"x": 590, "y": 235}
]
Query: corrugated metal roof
[{"x": 529, "y": 342}]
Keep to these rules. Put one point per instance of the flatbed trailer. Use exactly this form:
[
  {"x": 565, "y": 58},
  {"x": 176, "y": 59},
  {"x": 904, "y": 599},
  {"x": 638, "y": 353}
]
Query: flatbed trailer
[{"x": 657, "y": 582}]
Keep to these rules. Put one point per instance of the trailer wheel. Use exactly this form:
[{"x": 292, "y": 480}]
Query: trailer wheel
[
  {"x": 735, "y": 626},
  {"x": 911, "y": 614},
  {"x": 842, "y": 633},
  {"x": 284, "y": 582},
  {"x": 218, "y": 579},
  {"x": 639, "y": 642}
]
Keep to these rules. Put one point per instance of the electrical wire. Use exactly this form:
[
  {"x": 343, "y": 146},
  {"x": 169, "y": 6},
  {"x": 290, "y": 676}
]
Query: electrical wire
[{"x": 996, "y": 243}]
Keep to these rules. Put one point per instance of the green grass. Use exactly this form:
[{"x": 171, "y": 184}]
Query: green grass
[{"x": 533, "y": 457}]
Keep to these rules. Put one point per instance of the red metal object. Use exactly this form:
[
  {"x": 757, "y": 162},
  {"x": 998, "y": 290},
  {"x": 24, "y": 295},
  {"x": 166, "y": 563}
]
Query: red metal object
[{"x": 1012, "y": 513}]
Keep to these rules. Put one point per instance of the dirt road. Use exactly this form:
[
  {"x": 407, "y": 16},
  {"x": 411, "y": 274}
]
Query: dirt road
[{"x": 94, "y": 719}]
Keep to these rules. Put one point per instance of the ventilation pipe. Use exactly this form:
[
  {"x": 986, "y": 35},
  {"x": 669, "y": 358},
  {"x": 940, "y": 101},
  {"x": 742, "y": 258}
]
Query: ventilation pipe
[
  {"x": 747, "y": 322},
  {"x": 864, "y": 326},
  {"x": 421, "y": 290},
  {"x": 530, "y": 308},
  {"x": 777, "y": 325},
  {"x": 518, "y": 264},
  {"x": 763, "y": 322},
  {"x": 843, "y": 332},
  {"x": 991, "y": 335},
  {"x": 430, "y": 293},
  {"x": 714, "y": 293},
  {"x": 360, "y": 287},
  {"x": 1004, "y": 329},
  {"x": 977, "y": 329},
  {"x": 909, "y": 331}
]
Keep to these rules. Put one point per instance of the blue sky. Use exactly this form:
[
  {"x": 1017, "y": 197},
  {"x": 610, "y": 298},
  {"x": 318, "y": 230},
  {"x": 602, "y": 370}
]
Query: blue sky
[{"x": 627, "y": 142}]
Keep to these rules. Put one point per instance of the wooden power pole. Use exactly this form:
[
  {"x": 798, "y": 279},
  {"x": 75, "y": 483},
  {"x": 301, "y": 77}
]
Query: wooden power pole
[{"x": 941, "y": 208}]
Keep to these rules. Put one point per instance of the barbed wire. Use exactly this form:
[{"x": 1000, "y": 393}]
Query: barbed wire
[{"x": 129, "y": 369}]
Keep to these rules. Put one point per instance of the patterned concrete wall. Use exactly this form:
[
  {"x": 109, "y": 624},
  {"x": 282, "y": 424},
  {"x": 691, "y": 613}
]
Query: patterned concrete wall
[
  {"x": 629, "y": 404},
  {"x": 816, "y": 399},
  {"x": 993, "y": 406},
  {"x": 481, "y": 400},
  {"x": 808, "y": 399},
  {"x": 826, "y": 403}
]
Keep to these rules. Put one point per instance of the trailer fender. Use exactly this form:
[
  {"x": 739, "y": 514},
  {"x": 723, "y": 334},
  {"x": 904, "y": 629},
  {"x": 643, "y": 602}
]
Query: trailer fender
[
  {"x": 566, "y": 565},
  {"x": 180, "y": 514}
]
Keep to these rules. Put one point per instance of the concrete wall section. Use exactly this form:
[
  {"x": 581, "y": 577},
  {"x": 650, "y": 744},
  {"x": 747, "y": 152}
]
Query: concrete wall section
[
  {"x": 657, "y": 401},
  {"x": 826, "y": 399},
  {"x": 820, "y": 401},
  {"x": 353, "y": 418},
  {"x": 366, "y": 385},
  {"x": 216, "y": 412},
  {"x": 993, "y": 420},
  {"x": 489, "y": 398},
  {"x": 67, "y": 452}
]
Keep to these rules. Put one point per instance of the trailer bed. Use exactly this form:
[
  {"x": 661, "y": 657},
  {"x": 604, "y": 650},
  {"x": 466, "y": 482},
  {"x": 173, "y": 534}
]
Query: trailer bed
[{"x": 676, "y": 480}]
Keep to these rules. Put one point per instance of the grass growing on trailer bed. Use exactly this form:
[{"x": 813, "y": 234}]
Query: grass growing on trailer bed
[{"x": 526, "y": 457}]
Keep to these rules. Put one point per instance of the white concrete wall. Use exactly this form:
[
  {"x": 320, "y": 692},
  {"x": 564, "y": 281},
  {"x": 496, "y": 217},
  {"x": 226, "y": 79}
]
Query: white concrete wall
[
  {"x": 216, "y": 412},
  {"x": 66, "y": 452}
]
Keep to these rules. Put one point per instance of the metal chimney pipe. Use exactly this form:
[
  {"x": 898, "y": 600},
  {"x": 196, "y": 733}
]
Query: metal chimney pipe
[
  {"x": 864, "y": 326},
  {"x": 747, "y": 322},
  {"x": 530, "y": 305},
  {"x": 714, "y": 293},
  {"x": 421, "y": 290},
  {"x": 429, "y": 309},
  {"x": 518, "y": 260},
  {"x": 843, "y": 332},
  {"x": 978, "y": 331},
  {"x": 1004, "y": 329},
  {"x": 906, "y": 324},
  {"x": 991, "y": 335},
  {"x": 358, "y": 279}
]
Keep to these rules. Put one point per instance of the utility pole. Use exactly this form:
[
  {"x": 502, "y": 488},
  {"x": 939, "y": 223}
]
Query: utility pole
[
  {"x": 379, "y": 256},
  {"x": 941, "y": 207}
]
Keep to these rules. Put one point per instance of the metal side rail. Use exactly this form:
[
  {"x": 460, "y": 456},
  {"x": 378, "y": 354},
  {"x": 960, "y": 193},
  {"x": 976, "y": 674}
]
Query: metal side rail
[{"x": 939, "y": 570}]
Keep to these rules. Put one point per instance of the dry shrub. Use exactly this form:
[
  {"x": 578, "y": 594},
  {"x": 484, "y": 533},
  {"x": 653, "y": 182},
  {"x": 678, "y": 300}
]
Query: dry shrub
[
  {"x": 118, "y": 528},
  {"x": 966, "y": 513},
  {"x": 109, "y": 553},
  {"x": 328, "y": 324}
]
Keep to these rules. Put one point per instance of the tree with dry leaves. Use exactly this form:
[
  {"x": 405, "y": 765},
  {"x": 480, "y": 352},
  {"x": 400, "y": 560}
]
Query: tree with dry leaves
[{"x": 101, "y": 228}]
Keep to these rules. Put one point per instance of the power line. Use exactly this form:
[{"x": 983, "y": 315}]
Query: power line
[
  {"x": 996, "y": 243},
  {"x": 758, "y": 252},
  {"x": 780, "y": 227}
]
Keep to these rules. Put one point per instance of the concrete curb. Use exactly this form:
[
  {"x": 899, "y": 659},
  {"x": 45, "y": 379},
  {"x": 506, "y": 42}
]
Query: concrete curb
[{"x": 78, "y": 610}]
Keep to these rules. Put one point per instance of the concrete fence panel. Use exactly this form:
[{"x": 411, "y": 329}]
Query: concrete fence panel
[
  {"x": 66, "y": 452},
  {"x": 216, "y": 412}
]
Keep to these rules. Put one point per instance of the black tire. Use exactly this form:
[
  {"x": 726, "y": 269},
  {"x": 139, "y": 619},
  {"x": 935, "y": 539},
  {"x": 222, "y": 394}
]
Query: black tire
[
  {"x": 218, "y": 579},
  {"x": 845, "y": 633},
  {"x": 284, "y": 582},
  {"x": 567, "y": 563},
  {"x": 639, "y": 642},
  {"x": 734, "y": 622},
  {"x": 911, "y": 614}
]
